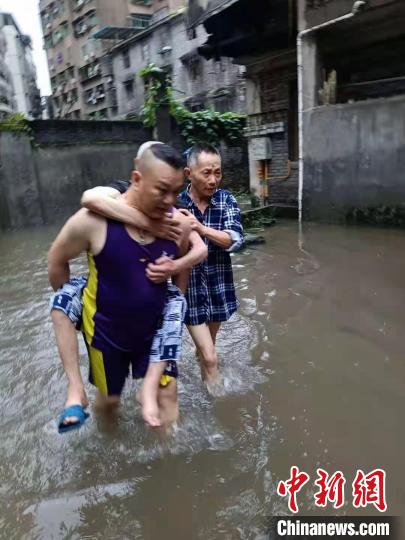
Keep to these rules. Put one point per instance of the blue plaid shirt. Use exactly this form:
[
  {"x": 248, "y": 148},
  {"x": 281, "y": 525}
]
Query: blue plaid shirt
[{"x": 211, "y": 292}]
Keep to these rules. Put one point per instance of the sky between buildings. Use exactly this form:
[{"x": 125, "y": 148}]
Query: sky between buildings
[{"x": 26, "y": 13}]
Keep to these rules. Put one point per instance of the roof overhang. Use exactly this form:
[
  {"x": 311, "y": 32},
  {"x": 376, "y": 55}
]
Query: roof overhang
[
  {"x": 115, "y": 33},
  {"x": 201, "y": 10}
]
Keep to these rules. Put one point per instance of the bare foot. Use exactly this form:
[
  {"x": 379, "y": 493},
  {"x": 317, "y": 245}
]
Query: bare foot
[
  {"x": 150, "y": 409},
  {"x": 214, "y": 385},
  {"x": 75, "y": 396}
]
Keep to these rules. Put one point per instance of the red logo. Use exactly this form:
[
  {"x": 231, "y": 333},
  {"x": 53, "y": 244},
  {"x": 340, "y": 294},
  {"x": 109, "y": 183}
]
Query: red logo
[
  {"x": 292, "y": 486},
  {"x": 370, "y": 489}
]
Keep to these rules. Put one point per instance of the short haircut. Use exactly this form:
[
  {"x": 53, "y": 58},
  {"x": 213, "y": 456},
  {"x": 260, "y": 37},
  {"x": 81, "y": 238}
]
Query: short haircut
[
  {"x": 145, "y": 146},
  {"x": 194, "y": 152},
  {"x": 167, "y": 154}
]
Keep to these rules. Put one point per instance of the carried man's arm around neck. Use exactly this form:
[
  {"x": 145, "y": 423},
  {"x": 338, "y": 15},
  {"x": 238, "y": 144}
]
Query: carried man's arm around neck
[{"x": 106, "y": 202}]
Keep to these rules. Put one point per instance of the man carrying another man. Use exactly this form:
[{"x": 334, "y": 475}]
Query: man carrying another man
[
  {"x": 214, "y": 214},
  {"x": 122, "y": 306}
]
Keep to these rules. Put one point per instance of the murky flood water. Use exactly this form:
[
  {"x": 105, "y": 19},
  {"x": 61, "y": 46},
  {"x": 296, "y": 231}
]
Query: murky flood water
[{"x": 314, "y": 376}]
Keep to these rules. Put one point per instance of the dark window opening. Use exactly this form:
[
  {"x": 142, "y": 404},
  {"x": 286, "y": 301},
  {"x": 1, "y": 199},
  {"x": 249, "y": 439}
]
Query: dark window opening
[
  {"x": 129, "y": 89},
  {"x": 126, "y": 59},
  {"x": 363, "y": 73}
]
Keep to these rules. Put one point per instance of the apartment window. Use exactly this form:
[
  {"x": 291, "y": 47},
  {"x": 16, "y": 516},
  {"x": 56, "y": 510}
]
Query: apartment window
[
  {"x": 129, "y": 89},
  {"x": 126, "y": 60},
  {"x": 92, "y": 20},
  {"x": 86, "y": 24},
  {"x": 194, "y": 69},
  {"x": 48, "y": 42},
  {"x": 140, "y": 21},
  {"x": 99, "y": 92},
  {"x": 145, "y": 52},
  {"x": 60, "y": 34}
]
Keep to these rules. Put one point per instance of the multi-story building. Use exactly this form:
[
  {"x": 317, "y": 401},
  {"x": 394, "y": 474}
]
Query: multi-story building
[
  {"x": 17, "y": 71},
  {"x": 261, "y": 36},
  {"x": 7, "y": 104},
  {"x": 78, "y": 88},
  {"x": 198, "y": 83}
]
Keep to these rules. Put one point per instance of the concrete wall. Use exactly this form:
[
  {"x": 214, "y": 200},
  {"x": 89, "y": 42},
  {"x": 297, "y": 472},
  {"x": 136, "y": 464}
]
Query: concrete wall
[
  {"x": 41, "y": 183},
  {"x": 354, "y": 158}
]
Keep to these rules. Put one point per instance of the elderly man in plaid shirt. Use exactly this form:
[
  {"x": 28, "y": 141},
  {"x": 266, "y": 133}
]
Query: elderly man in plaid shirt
[{"x": 215, "y": 215}]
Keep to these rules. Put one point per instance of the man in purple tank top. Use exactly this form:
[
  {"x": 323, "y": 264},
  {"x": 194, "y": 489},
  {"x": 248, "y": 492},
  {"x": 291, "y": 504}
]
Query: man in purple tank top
[{"x": 122, "y": 308}]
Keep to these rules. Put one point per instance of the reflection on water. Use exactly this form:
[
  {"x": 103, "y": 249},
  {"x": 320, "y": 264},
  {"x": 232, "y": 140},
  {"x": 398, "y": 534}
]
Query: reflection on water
[{"x": 313, "y": 376}]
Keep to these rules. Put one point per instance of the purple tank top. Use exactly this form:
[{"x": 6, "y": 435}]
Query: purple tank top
[{"x": 121, "y": 306}]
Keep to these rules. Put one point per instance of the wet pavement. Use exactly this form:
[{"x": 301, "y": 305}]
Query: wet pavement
[{"x": 314, "y": 376}]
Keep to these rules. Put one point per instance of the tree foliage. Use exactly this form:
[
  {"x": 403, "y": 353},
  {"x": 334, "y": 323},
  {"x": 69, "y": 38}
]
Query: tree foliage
[{"x": 205, "y": 125}]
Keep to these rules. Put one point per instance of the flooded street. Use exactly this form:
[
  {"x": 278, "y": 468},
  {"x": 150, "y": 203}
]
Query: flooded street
[{"x": 314, "y": 376}]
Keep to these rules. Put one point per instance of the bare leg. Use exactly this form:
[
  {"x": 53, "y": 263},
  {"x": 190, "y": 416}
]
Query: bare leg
[
  {"x": 214, "y": 328},
  {"x": 66, "y": 339},
  {"x": 148, "y": 394},
  {"x": 168, "y": 404},
  {"x": 106, "y": 410},
  {"x": 106, "y": 404},
  {"x": 207, "y": 354}
]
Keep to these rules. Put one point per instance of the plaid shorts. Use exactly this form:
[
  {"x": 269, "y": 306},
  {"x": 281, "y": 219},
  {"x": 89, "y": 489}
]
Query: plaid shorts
[
  {"x": 166, "y": 343},
  {"x": 69, "y": 300}
]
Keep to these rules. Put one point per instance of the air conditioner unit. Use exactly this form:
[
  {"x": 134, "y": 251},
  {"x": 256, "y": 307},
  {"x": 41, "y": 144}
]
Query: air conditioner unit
[
  {"x": 60, "y": 88},
  {"x": 93, "y": 54},
  {"x": 69, "y": 100},
  {"x": 52, "y": 68},
  {"x": 80, "y": 3},
  {"x": 84, "y": 28},
  {"x": 48, "y": 26},
  {"x": 73, "y": 81},
  {"x": 101, "y": 96},
  {"x": 86, "y": 57}
]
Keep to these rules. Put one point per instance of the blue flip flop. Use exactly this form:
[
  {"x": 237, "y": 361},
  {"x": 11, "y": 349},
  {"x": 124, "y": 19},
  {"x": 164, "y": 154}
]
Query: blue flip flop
[{"x": 74, "y": 410}]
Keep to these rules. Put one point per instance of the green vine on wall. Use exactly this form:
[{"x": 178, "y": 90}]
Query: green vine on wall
[
  {"x": 15, "y": 122},
  {"x": 205, "y": 125}
]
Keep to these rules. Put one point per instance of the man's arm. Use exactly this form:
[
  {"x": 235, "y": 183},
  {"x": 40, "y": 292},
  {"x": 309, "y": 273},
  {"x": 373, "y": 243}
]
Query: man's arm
[
  {"x": 106, "y": 202},
  {"x": 72, "y": 240},
  {"x": 195, "y": 252},
  {"x": 231, "y": 237},
  {"x": 181, "y": 278},
  {"x": 222, "y": 239}
]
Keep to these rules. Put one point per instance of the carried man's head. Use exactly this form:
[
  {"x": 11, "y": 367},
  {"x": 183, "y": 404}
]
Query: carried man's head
[
  {"x": 204, "y": 169},
  {"x": 157, "y": 179}
]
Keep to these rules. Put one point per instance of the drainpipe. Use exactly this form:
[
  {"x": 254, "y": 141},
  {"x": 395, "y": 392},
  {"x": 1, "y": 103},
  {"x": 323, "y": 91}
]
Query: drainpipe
[{"x": 357, "y": 6}]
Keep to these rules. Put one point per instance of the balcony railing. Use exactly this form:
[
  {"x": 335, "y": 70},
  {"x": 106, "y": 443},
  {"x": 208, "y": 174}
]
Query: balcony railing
[{"x": 91, "y": 71}]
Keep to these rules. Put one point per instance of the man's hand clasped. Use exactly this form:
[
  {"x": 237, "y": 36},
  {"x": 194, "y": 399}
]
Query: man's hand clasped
[{"x": 193, "y": 222}]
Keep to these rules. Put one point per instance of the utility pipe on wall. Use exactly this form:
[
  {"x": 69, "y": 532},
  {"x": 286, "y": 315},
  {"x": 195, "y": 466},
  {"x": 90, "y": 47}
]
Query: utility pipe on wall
[{"x": 357, "y": 6}]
